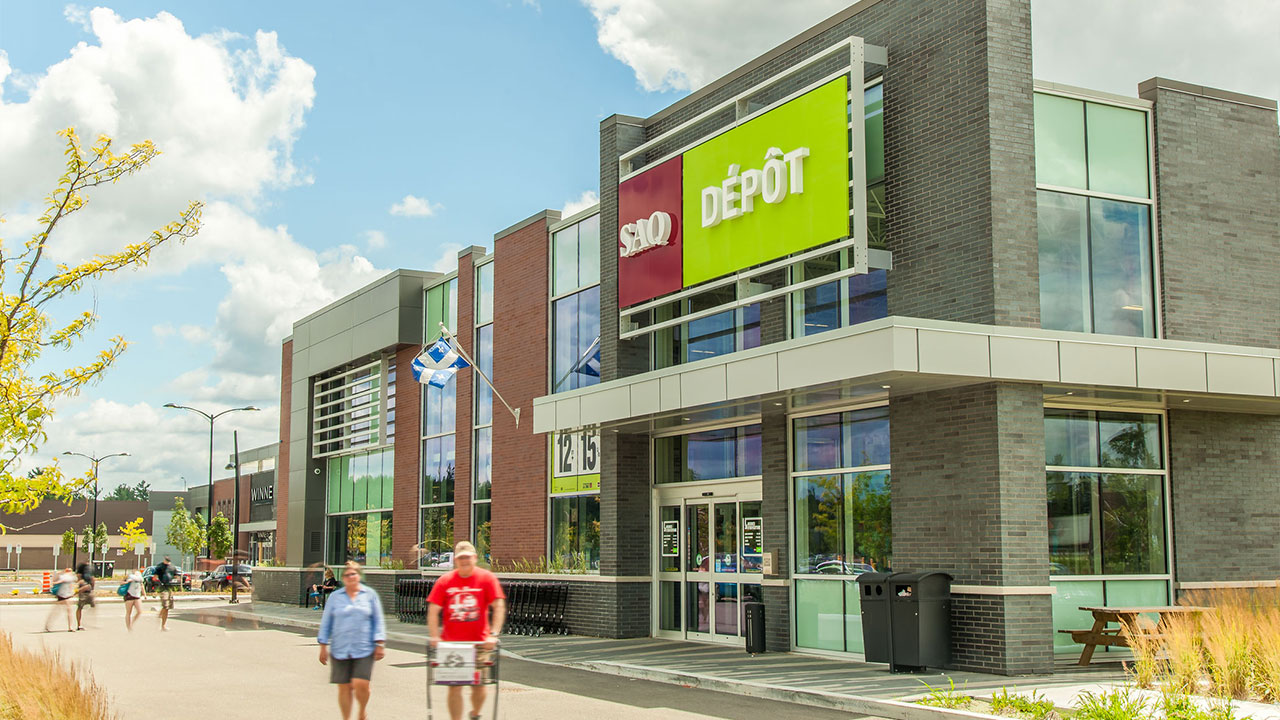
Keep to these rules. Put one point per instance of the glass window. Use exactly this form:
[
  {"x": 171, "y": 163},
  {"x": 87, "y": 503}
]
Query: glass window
[
  {"x": 849, "y": 439},
  {"x": 437, "y": 537},
  {"x": 1120, "y": 241},
  {"x": 820, "y": 614},
  {"x": 484, "y": 463},
  {"x": 575, "y": 531},
  {"x": 437, "y": 470},
  {"x": 1073, "y": 549},
  {"x": 843, "y": 523},
  {"x": 1085, "y": 438},
  {"x": 484, "y": 293},
  {"x": 711, "y": 336},
  {"x": 868, "y": 296},
  {"x": 1132, "y": 514},
  {"x": 363, "y": 538},
  {"x": 483, "y": 531},
  {"x": 1095, "y": 265},
  {"x": 873, "y": 122},
  {"x": 709, "y": 455},
  {"x": 1117, "y": 139},
  {"x": 373, "y": 496},
  {"x": 484, "y": 359},
  {"x": 589, "y": 251},
  {"x": 564, "y": 260},
  {"x": 576, "y": 349},
  {"x": 1060, "y": 152}
]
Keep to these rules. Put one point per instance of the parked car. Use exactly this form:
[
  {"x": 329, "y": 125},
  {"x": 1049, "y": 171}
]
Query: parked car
[
  {"x": 220, "y": 578},
  {"x": 179, "y": 578}
]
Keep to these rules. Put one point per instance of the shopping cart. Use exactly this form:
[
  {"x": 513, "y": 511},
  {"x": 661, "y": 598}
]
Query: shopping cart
[{"x": 459, "y": 664}]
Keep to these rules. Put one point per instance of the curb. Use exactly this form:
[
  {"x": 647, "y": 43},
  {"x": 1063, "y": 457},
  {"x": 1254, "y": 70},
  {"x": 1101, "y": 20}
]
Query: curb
[{"x": 858, "y": 704}]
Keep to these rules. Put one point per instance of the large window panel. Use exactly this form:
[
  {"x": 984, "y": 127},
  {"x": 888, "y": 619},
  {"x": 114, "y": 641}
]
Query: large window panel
[
  {"x": 843, "y": 523},
  {"x": 484, "y": 463},
  {"x": 853, "y": 438},
  {"x": 484, "y": 359},
  {"x": 1132, "y": 509},
  {"x": 484, "y": 293},
  {"x": 437, "y": 537},
  {"x": 576, "y": 347},
  {"x": 575, "y": 530},
  {"x": 589, "y": 251},
  {"x": 1073, "y": 549},
  {"x": 564, "y": 260},
  {"x": 1120, "y": 239},
  {"x": 1117, "y": 139},
  {"x": 868, "y": 296},
  {"x": 708, "y": 455},
  {"x": 711, "y": 336},
  {"x": 483, "y": 531},
  {"x": 1062, "y": 221},
  {"x": 1060, "y": 145}
]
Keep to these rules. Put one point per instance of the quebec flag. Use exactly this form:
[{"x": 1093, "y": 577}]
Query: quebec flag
[{"x": 437, "y": 364}]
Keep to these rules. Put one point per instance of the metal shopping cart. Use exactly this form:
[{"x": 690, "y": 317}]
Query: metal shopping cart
[{"x": 458, "y": 664}]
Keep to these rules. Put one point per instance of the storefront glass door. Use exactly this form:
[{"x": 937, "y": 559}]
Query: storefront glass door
[{"x": 709, "y": 563}]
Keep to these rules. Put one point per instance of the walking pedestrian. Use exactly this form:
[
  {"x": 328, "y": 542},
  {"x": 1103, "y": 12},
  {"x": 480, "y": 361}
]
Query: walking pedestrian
[
  {"x": 84, "y": 593},
  {"x": 462, "y": 598},
  {"x": 353, "y": 635},
  {"x": 64, "y": 588},
  {"x": 133, "y": 594},
  {"x": 164, "y": 582}
]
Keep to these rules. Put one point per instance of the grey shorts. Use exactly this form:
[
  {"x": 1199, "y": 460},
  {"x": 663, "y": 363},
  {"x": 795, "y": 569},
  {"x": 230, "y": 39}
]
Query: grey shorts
[
  {"x": 342, "y": 672},
  {"x": 84, "y": 598},
  {"x": 166, "y": 599}
]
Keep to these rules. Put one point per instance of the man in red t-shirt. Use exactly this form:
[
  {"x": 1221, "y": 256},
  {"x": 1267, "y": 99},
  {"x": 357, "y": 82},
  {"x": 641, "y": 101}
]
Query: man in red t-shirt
[{"x": 465, "y": 595}]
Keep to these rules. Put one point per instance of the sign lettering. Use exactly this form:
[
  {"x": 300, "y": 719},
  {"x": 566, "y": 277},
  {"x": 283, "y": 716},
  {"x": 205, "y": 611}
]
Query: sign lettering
[
  {"x": 575, "y": 462},
  {"x": 736, "y": 196},
  {"x": 644, "y": 234}
]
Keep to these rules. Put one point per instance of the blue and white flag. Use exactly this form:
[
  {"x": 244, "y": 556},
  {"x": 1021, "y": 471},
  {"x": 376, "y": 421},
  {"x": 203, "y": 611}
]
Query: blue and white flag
[
  {"x": 589, "y": 363},
  {"x": 438, "y": 363}
]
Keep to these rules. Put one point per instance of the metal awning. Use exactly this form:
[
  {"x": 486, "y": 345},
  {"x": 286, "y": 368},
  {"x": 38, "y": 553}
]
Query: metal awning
[{"x": 909, "y": 355}]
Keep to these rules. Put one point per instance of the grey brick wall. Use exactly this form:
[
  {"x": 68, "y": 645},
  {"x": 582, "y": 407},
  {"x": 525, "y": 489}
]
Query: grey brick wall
[
  {"x": 284, "y": 585},
  {"x": 774, "y": 489},
  {"x": 1224, "y": 473},
  {"x": 968, "y": 491},
  {"x": 1218, "y": 192},
  {"x": 618, "y": 133},
  {"x": 624, "y": 505},
  {"x": 611, "y": 610},
  {"x": 384, "y": 582}
]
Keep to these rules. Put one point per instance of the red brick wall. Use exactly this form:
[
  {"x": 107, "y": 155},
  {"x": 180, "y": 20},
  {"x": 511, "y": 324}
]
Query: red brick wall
[
  {"x": 408, "y": 446},
  {"x": 520, "y": 369},
  {"x": 282, "y": 462},
  {"x": 465, "y": 332}
]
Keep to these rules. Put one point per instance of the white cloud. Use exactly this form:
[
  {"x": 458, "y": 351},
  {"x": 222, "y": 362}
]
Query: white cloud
[
  {"x": 1099, "y": 44},
  {"x": 375, "y": 239},
  {"x": 583, "y": 201},
  {"x": 78, "y": 15},
  {"x": 448, "y": 260},
  {"x": 414, "y": 206},
  {"x": 682, "y": 45}
]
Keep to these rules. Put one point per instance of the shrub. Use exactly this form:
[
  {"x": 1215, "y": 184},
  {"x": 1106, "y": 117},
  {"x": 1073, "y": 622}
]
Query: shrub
[
  {"x": 1119, "y": 704},
  {"x": 38, "y": 685},
  {"x": 1176, "y": 706},
  {"x": 1186, "y": 654}
]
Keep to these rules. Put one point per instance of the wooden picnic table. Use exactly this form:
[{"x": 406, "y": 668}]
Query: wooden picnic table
[{"x": 1100, "y": 634}]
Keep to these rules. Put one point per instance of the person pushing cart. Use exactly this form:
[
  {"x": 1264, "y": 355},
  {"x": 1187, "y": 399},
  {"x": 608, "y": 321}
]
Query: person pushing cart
[{"x": 458, "y": 614}]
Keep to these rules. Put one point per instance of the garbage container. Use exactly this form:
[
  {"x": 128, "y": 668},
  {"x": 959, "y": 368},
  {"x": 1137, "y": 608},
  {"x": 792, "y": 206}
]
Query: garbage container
[
  {"x": 920, "y": 615},
  {"x": 104, "y": 568},
  {"x": 755, "y": 627},
  {"x": 873, "y": 592}
]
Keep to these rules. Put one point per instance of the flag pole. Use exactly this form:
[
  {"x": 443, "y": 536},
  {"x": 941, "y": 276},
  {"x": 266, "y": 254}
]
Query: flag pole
[{"x": 450, "y": 336}]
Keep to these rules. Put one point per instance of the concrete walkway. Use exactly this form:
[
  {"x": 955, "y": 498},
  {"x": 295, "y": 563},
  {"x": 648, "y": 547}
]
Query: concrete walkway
[{"x": 791, "y": 677}]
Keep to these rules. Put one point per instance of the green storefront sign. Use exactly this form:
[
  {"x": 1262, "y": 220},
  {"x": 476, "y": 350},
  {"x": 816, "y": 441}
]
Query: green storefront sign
[{"x": 775, "y": 185}]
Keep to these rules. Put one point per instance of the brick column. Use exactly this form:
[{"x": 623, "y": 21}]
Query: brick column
[
  {"x": 405, "y": 523},
  {"x": 968, "y": 495},
  {"x": 465, "y": 333},
  {"x": 774, "y": 489},
  {"x": 282, "y": 462}
]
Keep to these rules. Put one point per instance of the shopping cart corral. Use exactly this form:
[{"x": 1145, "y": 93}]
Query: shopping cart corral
[{"x": 534, "y": 607}]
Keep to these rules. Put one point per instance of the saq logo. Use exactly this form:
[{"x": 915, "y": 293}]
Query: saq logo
[{"x": 645, "y": 233}]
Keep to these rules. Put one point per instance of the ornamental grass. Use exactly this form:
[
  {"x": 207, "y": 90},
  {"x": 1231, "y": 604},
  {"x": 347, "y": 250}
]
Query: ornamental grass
[
  {"x": 39, "y": 685},
  {"x": 1232, "y": 652}
]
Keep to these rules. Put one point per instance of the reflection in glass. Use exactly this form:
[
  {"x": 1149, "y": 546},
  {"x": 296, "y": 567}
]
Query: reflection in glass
[
  {"x": 818, "y": 509},
  {"x": 709, "y": 455},
  {"x": 589, "y": 251},
  {"x": 850, "y": 439},
  {"x": 711, "y": 336},
  {"x": 437, "y": 537},
  {"x": 1132, "y": 508},
  {"x": 727, "y": 608},
  {"x": 669, "y": 521},
  {"x": 576, "y": 348},
  {"x": 564, "y": 260},
  {"x": 699, "y": 617},
  {"x": 1060, "y": 153},
  {"x": 483, "y": 530},
  {"x": 669, "y": 606},
  {"x": 1064, "y": 262},
  {"x": 1120, "y": 238},
  {"x": 1085, "y": 438},
  {"x": 726, "y": 537},
  {"x": 844, "y": 523},
  {"x": 873, "y": 122},
  {"x": 698, "y": 546},
  {"x": 575, "y": 531},
  {"x": 484, "y": 359},
  {"x": 1072, "y": 547},
  {"x": 484, "y": 293},
  {"x": 484, "y": 463},
  {"x": 752, "y": 555}
]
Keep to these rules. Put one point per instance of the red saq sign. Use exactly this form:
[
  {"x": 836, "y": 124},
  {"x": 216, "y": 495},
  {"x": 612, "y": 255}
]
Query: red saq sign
[{"x": 649, "y": 233}]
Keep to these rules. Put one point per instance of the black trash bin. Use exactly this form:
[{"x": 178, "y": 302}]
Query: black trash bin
[
  {"x": 920, "y": 620},
  {"x": 873, "y": 591},
  {"x": 755, "y": 627}
]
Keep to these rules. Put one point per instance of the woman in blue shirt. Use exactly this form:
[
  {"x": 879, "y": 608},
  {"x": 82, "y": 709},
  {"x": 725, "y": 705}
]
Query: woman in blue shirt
[{"x": 353, "y": 634}]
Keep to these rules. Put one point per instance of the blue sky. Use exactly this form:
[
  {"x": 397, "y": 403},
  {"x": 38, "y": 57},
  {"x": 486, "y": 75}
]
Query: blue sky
[{"x": 302, "y": 124}]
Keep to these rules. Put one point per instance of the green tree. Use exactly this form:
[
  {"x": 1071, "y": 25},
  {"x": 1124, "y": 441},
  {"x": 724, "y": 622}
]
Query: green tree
[
  {"x": 29, "y": 287},
  {"x": 220, "y": 535},
  {"x": 138, "y": 493},
  {"x": 184, "y": 533},
  {"x": 92, "y": 541},
  {"x": 68, "y": 541}
]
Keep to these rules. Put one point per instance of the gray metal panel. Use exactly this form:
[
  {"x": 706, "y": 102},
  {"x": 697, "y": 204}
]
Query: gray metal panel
[
  {"x": 602, "y": 407},
  {"x": 703, "y": 386},
  {"x": 645, "y": 397},
  {"x": 374, "y": 334},
  {"x": 1098, "y": 364},
  {"x": 669, "y": 393},
  {"x": 1241, "y": 375},
  {"x": 1024, "y": 359},
  {"x": 1172, "y": 369},
  {"x": 568, "y": 413},
  {"x": 752, "y": 376},
  {"x": 331, "y": 352},
  {"x": 951, "y": 353}
]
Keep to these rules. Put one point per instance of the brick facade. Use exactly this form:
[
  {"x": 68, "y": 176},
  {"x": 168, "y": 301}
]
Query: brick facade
[
  {"x": 405, "y": 523},
  {"x": 282, "y": 461},
  {"x": 519, "y": 517},
  {"x": 1218, "y": 184},
  {"x": 464, "y": 471},
  {"x": 1224, "y": 477}
]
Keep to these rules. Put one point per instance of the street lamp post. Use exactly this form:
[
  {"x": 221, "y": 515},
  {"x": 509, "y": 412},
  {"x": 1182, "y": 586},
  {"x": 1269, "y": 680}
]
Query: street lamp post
[
  {"x": 235, "y": 513},
  {"x": 208, "y": 509},
  {"x": 95, "y": 461}
]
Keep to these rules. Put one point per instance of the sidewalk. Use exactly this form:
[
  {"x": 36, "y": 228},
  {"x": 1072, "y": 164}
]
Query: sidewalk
[{"x": 791, "y": 677}]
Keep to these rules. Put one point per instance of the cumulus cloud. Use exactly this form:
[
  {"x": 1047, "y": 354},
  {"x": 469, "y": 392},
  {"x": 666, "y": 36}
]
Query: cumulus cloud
[
  {"x": 447, "y": 262},
  {"x": 375, "y": 239},
  {"x": 582, "y": 202},
  {"x": 414, "y": 206},
  {"x": 1099, "y": 44}
]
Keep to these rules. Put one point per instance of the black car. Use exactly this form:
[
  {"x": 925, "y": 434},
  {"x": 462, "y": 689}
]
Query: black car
[
  {"x": 220, "y": 578},
  {"x": 151, "y": 583}
]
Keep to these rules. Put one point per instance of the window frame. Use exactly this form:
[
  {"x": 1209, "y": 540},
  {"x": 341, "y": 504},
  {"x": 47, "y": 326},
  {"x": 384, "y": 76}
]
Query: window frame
[
  {"x": 475, "y": 429},
  {"x": 1152, "y": 201}
]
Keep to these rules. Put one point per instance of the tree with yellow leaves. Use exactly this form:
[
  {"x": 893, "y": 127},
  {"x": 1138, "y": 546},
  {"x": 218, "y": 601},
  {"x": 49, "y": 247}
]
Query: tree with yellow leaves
[
  {"x": 132, "y": 535},
  {"x": 29, "y": 284}
]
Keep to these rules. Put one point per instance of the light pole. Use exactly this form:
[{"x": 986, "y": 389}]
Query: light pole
[
  {"x": 235, "y": 513},
  {"x": 95, "y": 461},
  {"x": 208, "y": 509}
]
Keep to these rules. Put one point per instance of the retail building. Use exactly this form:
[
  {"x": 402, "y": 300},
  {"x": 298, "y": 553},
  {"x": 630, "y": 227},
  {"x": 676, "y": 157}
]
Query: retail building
[{"x": 876, "y": 299}]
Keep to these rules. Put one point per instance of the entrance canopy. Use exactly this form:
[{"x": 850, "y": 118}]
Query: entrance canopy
[{"x": 909, "y": 355}]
